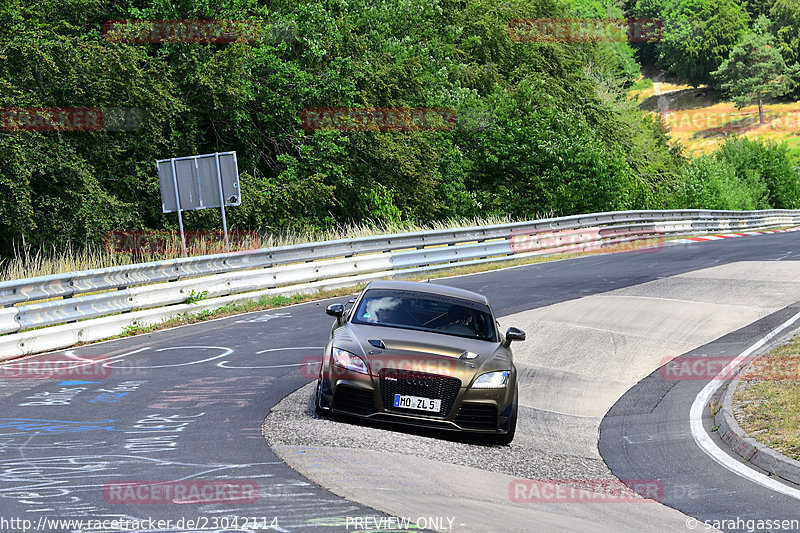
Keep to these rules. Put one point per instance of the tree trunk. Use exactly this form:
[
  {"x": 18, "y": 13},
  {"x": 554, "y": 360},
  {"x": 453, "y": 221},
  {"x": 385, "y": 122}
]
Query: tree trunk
[{"x": 760, "y": 112}]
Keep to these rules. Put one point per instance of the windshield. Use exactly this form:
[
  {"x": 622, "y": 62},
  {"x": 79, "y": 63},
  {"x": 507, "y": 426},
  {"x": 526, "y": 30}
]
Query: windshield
[{"x": 425, "y": 312}]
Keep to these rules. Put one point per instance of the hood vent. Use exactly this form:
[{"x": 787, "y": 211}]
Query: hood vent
[{"x": 377, "y": 343}]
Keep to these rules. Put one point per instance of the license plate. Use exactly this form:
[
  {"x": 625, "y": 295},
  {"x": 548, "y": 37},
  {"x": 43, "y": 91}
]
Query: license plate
[{"x": 415, "y": 402}]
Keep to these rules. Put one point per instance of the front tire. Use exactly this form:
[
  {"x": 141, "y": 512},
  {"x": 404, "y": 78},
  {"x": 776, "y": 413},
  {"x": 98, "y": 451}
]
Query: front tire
[
  {"x": 506, "y": 439},
  {"x": 318, "y": 402}
]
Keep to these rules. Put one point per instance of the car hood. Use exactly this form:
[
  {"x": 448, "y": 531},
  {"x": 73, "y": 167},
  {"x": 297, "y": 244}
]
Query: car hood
[{"x": 421, "y": 351}]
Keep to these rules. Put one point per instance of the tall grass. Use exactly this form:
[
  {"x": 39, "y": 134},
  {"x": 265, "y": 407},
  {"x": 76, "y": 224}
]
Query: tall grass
[{"x": 27, "y": 262}]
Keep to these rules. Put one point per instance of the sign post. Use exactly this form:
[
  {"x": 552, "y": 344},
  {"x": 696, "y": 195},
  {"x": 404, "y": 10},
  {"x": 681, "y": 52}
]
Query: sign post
[
  {"x": 178, "y": 206},
  {"x": 199, "y": 182},
  {"x": 222, "y": 204}
]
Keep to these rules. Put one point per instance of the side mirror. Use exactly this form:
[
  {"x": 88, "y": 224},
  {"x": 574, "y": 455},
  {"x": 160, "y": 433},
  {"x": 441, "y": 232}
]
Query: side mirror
[
  {"x": 337, "y": 310},
  {"x": 513, "y": 334}
]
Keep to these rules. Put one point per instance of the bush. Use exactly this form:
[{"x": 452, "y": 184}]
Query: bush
[
  {"x": 768, "y": 163},
  {"x": 741, "y": 174},
  {"x": 709, "y": 182}
]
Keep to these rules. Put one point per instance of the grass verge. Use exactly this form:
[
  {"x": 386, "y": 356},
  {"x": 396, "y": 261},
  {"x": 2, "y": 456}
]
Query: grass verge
[
  {"x": 701, "y": 124},
  {"x": 766, "y": 403}
]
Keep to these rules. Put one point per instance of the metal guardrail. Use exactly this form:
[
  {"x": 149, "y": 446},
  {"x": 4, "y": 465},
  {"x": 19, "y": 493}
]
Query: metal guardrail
[
  {"x": 72, "y": 283},
  {"x": 145, "y": 291}
]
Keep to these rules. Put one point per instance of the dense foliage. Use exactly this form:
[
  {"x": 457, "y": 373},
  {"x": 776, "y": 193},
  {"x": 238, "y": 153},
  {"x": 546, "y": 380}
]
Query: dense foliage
[
  {"x": 743, "y": 174},
  {"x": 558, "y": 133},
  {"x": 755, "y": 70},
  {"x": 699, "y": 35}
]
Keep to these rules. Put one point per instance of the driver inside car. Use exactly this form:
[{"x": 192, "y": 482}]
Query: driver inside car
[{"x": 458, "y": 317}]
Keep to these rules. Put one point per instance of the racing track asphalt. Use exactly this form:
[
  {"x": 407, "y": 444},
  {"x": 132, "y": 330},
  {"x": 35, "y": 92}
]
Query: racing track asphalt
[
  {"x": 187, "y": 403},
  {"x": 646, "y": 435}
]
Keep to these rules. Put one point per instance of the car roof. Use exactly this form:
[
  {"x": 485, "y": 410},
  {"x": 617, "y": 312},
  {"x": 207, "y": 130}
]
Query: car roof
[{"x": 431, "y": 288}]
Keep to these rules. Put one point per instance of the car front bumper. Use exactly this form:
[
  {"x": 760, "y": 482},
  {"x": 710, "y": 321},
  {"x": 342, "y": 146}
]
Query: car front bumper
[{"x": 486, "y": 411}]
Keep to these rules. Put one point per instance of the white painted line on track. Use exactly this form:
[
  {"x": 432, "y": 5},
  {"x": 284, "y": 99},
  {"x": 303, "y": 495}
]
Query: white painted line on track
[
  {"x": 225, "y": 352},
  {"x": 707, "y": 444},
  {"x": 320, "y": 348}
]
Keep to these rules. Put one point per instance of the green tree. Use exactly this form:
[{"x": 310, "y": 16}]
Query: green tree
[
  {"x": 652, "y": 11},
  {"x": 698, "y": 35},
  {"x": 756, "y": 8},
  {"x": 613, "y": 57},
  {"x": 560, "y": 135},
  {"x": 785, "y": 15},
  {"x": 755, "y": 70}
]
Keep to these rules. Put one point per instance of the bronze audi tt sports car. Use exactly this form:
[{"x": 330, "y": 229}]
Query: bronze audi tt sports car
[{"x": 420, "y": 354}]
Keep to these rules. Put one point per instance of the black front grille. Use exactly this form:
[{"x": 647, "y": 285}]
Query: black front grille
[
  {"x": 352, "y": 400},
  {"x": 477, "y": 416},
  {"x": 409, "y": 383}
]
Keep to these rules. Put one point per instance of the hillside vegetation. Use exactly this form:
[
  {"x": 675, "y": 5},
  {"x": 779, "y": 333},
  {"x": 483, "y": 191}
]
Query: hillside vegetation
[{"x": 556, "y": 131}]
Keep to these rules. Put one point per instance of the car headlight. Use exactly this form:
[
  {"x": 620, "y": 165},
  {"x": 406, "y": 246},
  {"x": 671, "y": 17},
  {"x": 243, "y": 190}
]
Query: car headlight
[
  {"x": 492, "y": 380},
  {"x": 349, "y": 361}
]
